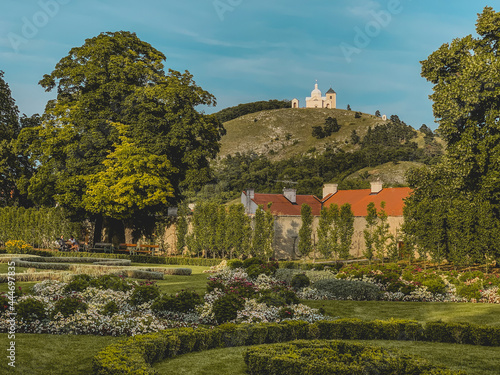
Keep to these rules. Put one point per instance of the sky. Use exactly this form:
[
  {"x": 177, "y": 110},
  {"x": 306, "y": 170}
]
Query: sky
[{"x": 368, "y": 51}]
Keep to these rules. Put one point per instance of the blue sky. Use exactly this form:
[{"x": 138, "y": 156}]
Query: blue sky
[{"x": 248, "y": 50}]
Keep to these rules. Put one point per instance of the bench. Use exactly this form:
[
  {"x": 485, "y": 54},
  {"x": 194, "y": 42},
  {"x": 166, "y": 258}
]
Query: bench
[
  {"x": 134, "y": 249},
  {"x": 105, "y": 247}
]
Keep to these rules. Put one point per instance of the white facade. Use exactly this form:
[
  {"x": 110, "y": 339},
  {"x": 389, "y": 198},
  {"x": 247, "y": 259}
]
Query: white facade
[{"x": 318, "y": 101}]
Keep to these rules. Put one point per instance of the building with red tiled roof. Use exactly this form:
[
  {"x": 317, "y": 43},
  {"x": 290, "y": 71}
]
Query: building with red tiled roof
[{"x": 286, "y": 208}]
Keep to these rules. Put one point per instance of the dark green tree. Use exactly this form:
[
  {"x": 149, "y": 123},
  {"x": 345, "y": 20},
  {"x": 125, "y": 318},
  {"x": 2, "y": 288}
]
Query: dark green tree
[
  {"x": 345, "y": 230},
  {"x": 331, "y": 126},
  {"x": 354, "y": 137},
  {"x": 182, "y": 226},
  {"x": 369, "y": 231},
  {"x": 318, "y": 132},
  {"x": 305, "y": 231},
  {"x": 466, "y": 95},
  {"x": 116, "y": 77}
]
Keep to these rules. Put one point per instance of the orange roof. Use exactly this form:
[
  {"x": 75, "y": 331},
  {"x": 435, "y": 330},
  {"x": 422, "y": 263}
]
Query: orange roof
[
  {"x": 282, "y": 206},
  {"x": 359, "y": 199}
]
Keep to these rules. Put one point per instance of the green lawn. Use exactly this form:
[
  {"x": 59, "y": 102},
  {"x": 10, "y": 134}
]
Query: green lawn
[
  {"x": 53, "y": 354},
  {"x": 477, "y": 313},
  {"x": 474, "y": 360}
]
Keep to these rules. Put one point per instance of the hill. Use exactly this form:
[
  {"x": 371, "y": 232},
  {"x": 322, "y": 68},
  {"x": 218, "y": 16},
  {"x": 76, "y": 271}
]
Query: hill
[{"x": 282, "y": 133}]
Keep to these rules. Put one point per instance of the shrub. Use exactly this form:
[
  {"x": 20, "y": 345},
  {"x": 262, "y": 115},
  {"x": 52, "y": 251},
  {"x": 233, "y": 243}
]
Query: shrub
[
  {"x": 300, "y": 281},
  {"x": 111, "y": 282},
  {"x": 30, "y": 310},
  {"x": 334, "y": 357},
  {"x": 143, "y": 294},
  {"x": 251, "y": 261},
  {"x": 182, "y": 302},
  {"x": 69, "y": 306},
  {"x": 235, "y": 263},
  {"x": 17, "y": 247},
  {"x": 272, "y": 299},
  {"x": 255, "y": 270},
  {"x": 469, "y": 291},
  {"x": 435, "y": 285},
  {"x": 110, "y": 308},
  {"x": 78, "y": 283},
  {"x": 286, "y": 313},
  {"x": 226, "y": 308},
  {"x": 4, "y": 303},
  {"x": 343, "y": 289}
]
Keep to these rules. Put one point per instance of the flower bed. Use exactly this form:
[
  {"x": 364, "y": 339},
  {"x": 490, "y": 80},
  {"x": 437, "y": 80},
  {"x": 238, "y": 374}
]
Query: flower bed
[{"x": 398, "y": 283}]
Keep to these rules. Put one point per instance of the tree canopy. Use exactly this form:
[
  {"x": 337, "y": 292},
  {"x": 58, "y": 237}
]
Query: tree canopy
[
  {"x": 118, "y": 78},
  {"x": 454, "y": 212}
]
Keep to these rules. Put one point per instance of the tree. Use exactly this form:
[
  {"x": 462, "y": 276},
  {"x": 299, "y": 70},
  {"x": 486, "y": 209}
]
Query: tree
[
  {"x": 324, "y": 228},
  {"x": 466, "y": 89},
  {"x": 318, "y": 132},
  {"x": 182, "y": 226},
  {"x": 133, "y": 179},
  {"x": 345, "y": 230},
  {"x": 239, "y": 231},
  {"x": 118, "y": 78},
  {"x": 369, "y": 231},
  {"x": 331, "y": 126},
  {"x": 381, "y": 234},
  {"x": 10, "y": 164},
  {"x": 354, "y": 137},
  {"x": 305, "y": 231},
  {"x": 263, "y": 233}
]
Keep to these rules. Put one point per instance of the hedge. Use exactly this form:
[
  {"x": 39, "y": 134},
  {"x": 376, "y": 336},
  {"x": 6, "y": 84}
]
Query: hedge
[
  {"x": 335, "y": 358},
  {"x": 136, "y": 354}
]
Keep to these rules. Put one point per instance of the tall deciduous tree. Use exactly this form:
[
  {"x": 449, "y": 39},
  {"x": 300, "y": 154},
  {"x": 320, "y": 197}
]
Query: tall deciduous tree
[
  {"x": 182, "y": 226},
  {"x": 346, "y": 230},
  {"x": 238, "y": 231},
  {"x": 305, "y": 231},
  {"x": 466, "y": 78},
  {"x": 116, "y": 77}
]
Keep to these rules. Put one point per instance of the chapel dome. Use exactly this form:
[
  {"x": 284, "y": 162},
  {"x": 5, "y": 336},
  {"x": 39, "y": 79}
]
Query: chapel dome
[{"x": 316, "y": 91}]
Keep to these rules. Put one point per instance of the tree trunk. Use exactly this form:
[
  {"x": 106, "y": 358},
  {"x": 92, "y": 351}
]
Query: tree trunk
[{"x": 97, "y": 230}]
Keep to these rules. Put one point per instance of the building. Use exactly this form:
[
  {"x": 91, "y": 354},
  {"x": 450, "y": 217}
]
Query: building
[
  {"x": 286, "y": 208},
  {"x": 318, "y": 101}
]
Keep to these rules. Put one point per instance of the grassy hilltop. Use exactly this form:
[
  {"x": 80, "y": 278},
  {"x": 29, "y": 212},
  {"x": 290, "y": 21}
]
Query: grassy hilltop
[{"x": 280, "y": 134}]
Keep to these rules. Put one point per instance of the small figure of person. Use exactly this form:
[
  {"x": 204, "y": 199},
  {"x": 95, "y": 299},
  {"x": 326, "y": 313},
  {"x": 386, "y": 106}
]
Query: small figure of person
[
  {"x": 74, "y": 244},
  {"x": 62, "y": 244}
]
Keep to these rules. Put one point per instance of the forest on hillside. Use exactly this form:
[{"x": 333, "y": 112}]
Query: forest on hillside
[{"x": 391, "y": 142}]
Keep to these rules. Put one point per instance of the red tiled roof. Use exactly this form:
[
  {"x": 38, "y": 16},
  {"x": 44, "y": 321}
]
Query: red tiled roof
[
  {"x": 282, "y": 206},
  {"x": 359, "y": 199}
]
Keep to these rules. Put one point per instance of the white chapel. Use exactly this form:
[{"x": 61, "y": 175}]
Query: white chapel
[{"x": 318, "y": 101}]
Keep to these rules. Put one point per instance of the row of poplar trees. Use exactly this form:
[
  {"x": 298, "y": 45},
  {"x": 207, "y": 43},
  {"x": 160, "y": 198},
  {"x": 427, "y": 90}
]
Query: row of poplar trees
[{"x": 219, "y": 231}]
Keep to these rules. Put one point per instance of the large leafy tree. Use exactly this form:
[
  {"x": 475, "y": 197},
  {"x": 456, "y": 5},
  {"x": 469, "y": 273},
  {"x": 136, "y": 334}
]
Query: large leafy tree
[
  {"x": 446, "y": 198},
  {"x": 118, "y": 78},
  {"x": 14, "y": 168}
]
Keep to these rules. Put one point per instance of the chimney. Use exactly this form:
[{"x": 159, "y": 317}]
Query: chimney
[
  {"x": 249, "y": 195},
  {"x": 376, "y": 187},
  {"x": 290, "y": 194},
  {"x": 330, "y": 189}
]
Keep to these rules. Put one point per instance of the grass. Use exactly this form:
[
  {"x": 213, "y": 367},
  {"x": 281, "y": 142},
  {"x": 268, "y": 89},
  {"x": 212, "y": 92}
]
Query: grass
[
  {"x": 197, "y": 281},
  {"x": 474, "y": 360},
  {"x": 487, "y": 314},
  {"x": 43, "y": 354}
]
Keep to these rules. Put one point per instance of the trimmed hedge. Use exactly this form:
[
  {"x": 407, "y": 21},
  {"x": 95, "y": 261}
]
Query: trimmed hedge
[
  {"x": 136, "y": 354},
  {"x": 336, "y": 358}
]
